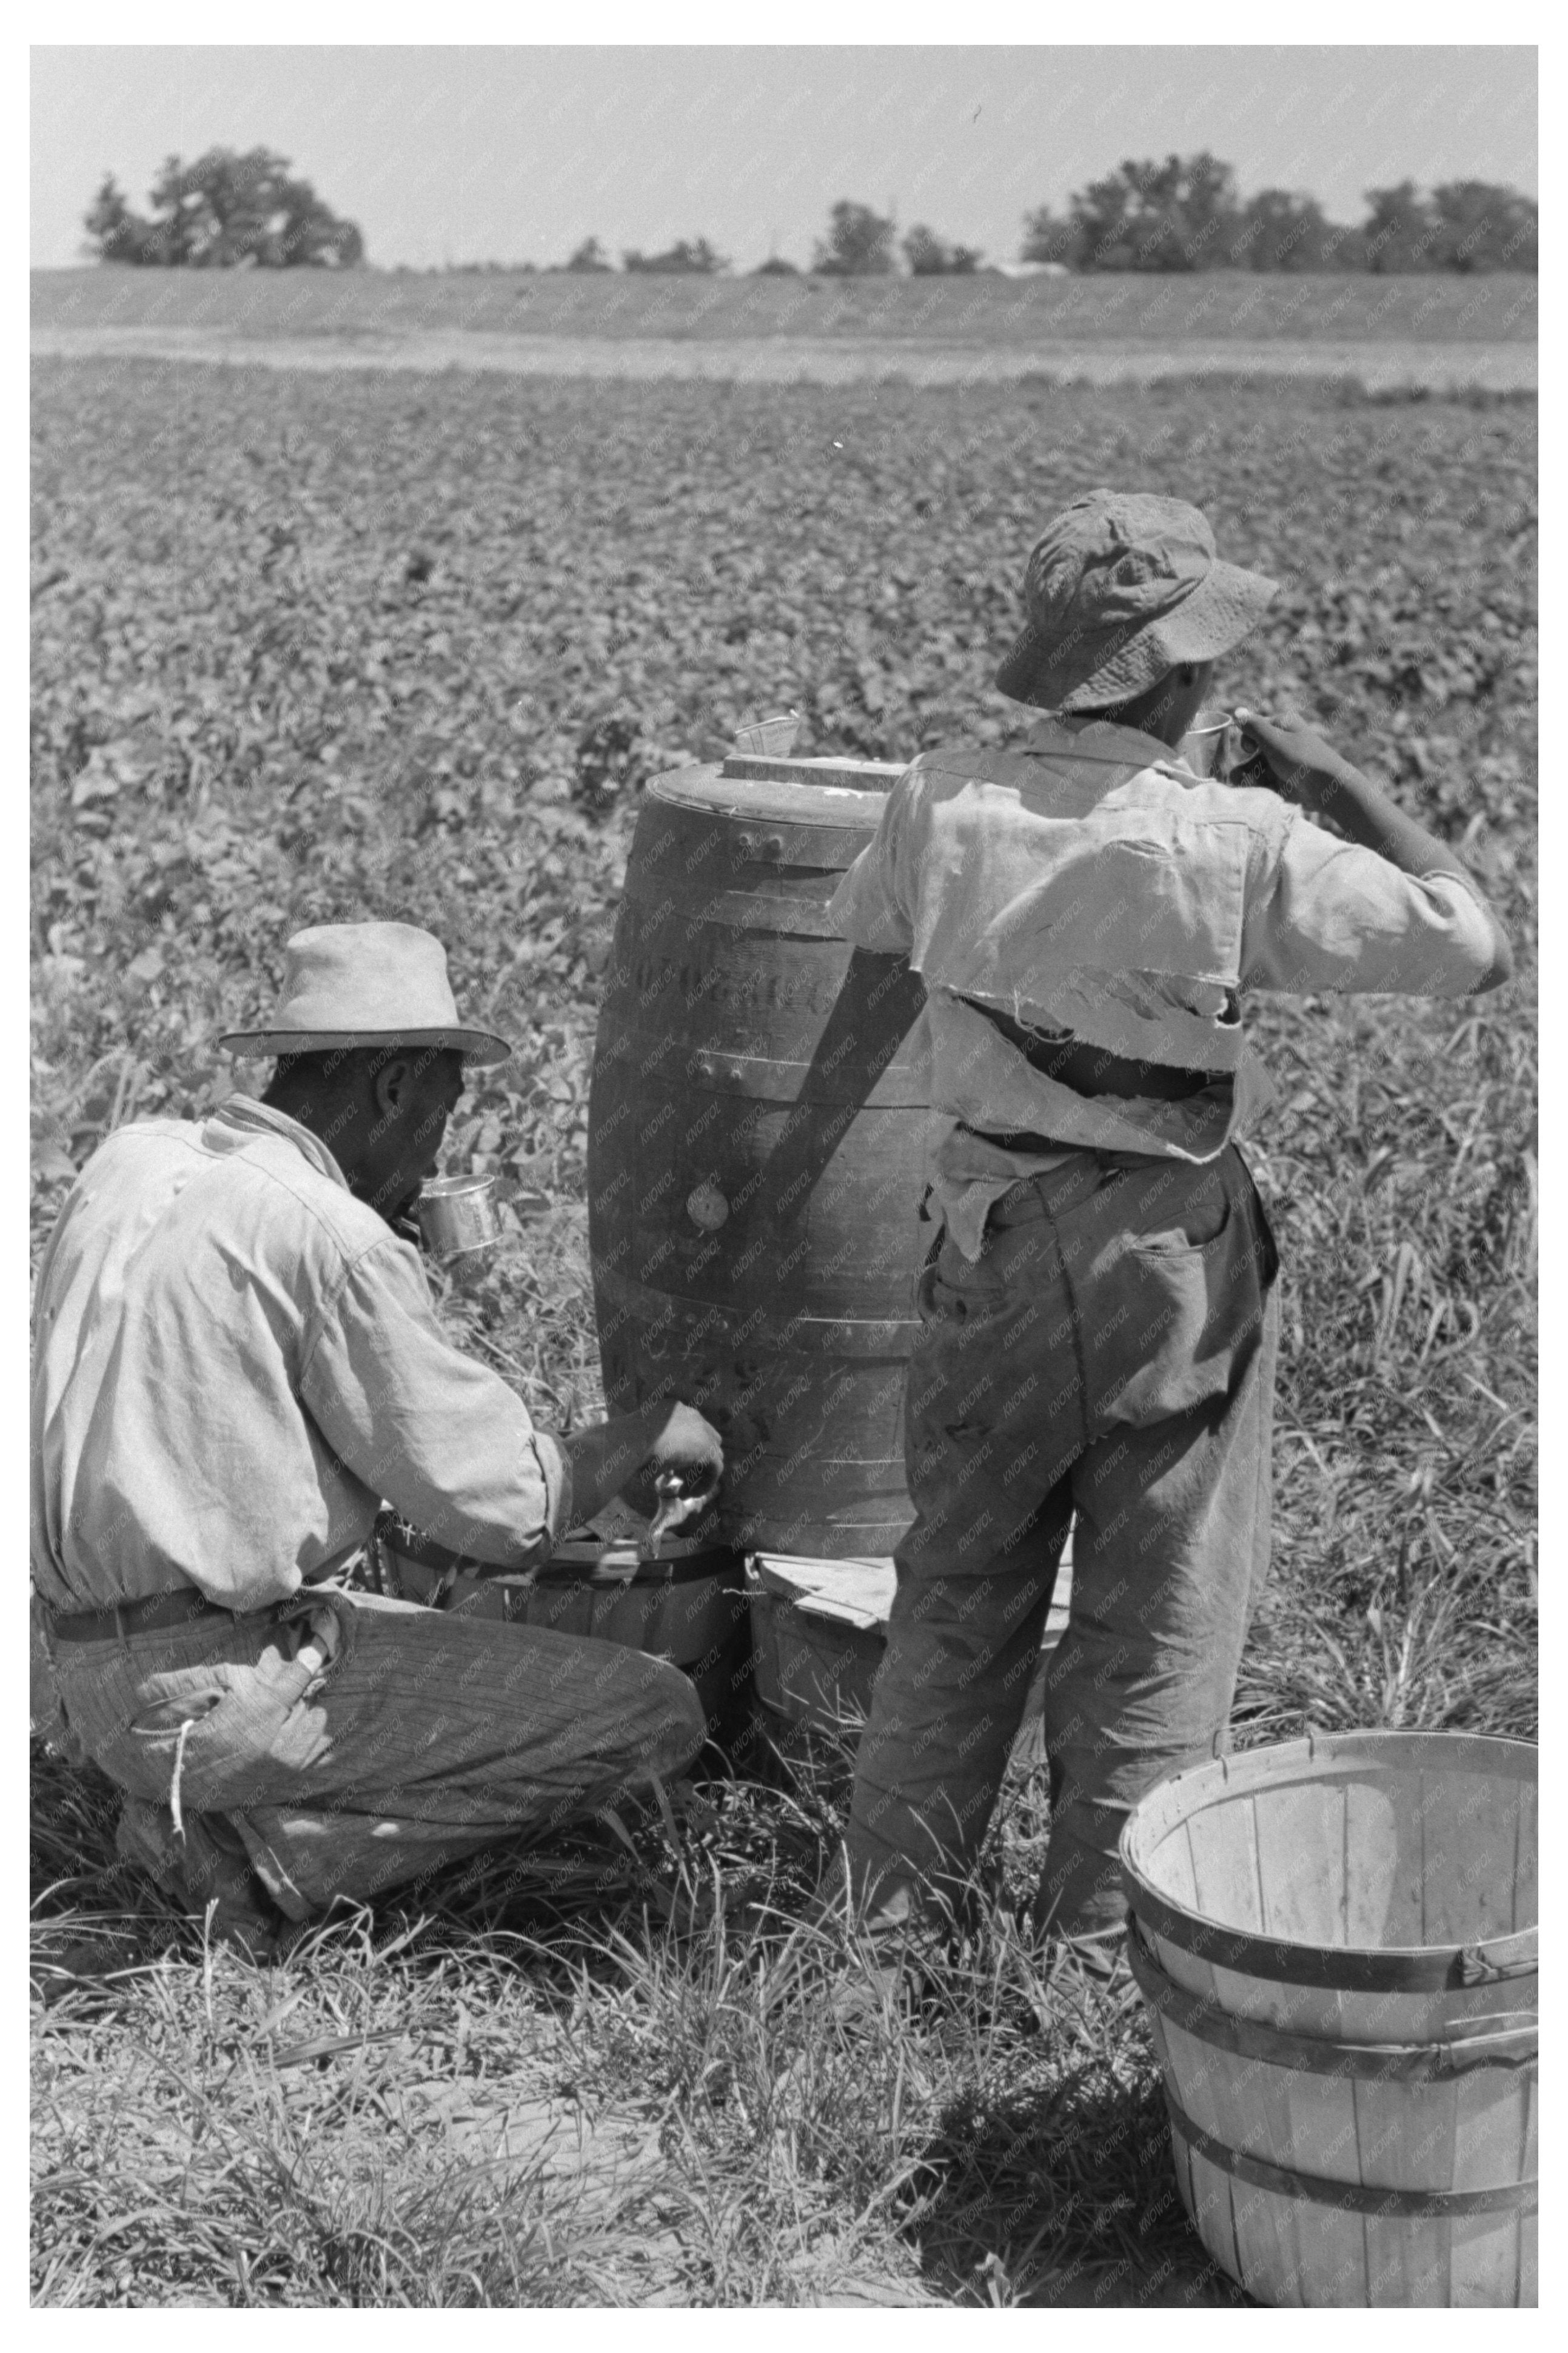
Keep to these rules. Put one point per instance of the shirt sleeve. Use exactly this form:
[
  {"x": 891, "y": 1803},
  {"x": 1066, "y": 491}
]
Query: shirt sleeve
[
  {"x": 441, "y": 1437},
  {"x": 869, "y": 908},
  {"x": 1334, "y": 915}
]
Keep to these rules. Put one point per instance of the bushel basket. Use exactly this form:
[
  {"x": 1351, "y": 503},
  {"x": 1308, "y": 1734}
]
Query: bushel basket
[{"x": 1336, "y": 1939}]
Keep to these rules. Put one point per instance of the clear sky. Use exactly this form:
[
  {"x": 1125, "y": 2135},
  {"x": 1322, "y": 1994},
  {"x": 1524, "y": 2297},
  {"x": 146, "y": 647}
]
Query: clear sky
[{"x": 483, "y": 154}]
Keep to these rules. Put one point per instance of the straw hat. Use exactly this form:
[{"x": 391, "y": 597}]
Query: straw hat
[
  {"x": 366, "y": 985},
  {"x": 1122, "y": 588}
]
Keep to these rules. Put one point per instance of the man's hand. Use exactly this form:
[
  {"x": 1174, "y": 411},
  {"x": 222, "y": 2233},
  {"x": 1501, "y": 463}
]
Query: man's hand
[
  {"x": 1302, "y": 767},
  {"x": 685, "y": 1460},
  {"x": 1298, "y": 765},
  {"x": 625, "y": 1455}
]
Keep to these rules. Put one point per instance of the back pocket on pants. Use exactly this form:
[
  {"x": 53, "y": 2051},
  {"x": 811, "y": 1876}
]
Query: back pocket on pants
[{"x": 1166, "y": 1323}]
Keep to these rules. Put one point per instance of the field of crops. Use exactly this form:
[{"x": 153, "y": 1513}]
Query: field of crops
[{"x": 313, "y": 646}]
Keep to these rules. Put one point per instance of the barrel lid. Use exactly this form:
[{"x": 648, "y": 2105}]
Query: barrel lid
[
  {"x": 766, "y": 767},
  {"x": 847, "y": 793}
]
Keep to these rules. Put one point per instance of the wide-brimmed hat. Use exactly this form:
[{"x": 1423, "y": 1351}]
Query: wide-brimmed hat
[
  {"x": 1122, "y": 588},
  {"x": 366, "y": 985}
]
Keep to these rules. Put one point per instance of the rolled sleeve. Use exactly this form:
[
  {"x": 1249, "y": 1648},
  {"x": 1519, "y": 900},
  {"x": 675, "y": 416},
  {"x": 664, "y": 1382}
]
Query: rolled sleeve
[
  {"x": 868, "y": 909},
  {"x": 442, "y": 1439},
  {"x": 1334, "y": 915}
]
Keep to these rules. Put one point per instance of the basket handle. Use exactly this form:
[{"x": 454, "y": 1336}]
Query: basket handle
[{"x": 1475, "y": 1967}]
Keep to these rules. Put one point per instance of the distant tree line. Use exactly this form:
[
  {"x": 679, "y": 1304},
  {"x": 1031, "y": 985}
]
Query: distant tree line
[
  {"x": 687, "y": 258},
  {"x": 1184, "y": 213},
  {"x": 1179, "y": 214},
  {"x": 223, "y": 211},
  {"x": 860, "y": 244}
]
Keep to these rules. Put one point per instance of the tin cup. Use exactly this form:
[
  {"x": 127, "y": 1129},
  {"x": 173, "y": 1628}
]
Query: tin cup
[
  {"x": 457, "y": 1214},
  {"x": 1203, "y": 747},
  {"x": 1215, "y": 745}
]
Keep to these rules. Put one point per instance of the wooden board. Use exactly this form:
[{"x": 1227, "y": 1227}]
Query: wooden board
[
  {"x": 820, "y": 1629},
  {"x": 860, "y": 1591}
]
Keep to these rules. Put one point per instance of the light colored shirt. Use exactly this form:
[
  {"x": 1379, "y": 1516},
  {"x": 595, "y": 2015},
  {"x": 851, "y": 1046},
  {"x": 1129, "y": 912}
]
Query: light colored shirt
[
  {"x": 237, "y": 1361},
  {"x": 1091, "y": 886}
]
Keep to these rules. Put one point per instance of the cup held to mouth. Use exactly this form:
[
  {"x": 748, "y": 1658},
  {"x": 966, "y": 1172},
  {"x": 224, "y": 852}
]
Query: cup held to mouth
[{"x": 457, "y": 1215}]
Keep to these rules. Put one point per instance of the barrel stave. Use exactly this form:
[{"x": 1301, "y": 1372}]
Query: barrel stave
[
  {"x": 1299, "y": 1840},
  {"x": 1491, "y": 2260},
  {"x": 1285, "y": 2252},
  {"x": 678, "y": 1208},
  {"x": 1406, "y": 2262},
  {"x": 1205, "y": 2192},
  {"x": 1468, "y": 1822},
  {"x": 690, "y": 1008},
  {"x": 1526, "y": 1890}
]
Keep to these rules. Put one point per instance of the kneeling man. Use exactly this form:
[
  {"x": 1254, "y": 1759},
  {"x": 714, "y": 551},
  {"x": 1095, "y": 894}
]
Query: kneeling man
[{"x": 237, "y": 1363}]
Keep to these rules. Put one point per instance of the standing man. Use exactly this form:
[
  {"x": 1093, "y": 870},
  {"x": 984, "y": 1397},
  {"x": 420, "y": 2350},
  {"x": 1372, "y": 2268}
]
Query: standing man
[
  {"x": 237, "y": 1361},
  {"x": 1098, "y": 1303}
]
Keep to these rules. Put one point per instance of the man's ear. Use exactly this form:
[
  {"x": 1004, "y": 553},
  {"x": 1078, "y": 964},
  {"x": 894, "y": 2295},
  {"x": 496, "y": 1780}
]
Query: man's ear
[{"x": 391, "y": 1081}]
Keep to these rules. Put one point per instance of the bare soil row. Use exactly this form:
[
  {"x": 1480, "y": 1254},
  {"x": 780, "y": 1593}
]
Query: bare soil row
[{"x": 1444, "y": 368}]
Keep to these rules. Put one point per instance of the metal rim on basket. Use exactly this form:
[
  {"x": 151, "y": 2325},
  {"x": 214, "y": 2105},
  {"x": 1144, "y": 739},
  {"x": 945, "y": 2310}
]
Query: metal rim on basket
[
  {"x": 1350, "y": 2196},
  {"x": 1512, "y": 2038}
]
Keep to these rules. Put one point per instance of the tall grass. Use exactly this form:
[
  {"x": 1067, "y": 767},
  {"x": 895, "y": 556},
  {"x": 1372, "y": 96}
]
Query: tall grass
[{"x": 502, "y": 2094}]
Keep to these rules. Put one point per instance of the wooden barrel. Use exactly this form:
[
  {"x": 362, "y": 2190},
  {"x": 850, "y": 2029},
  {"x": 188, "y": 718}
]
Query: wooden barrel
[
  {"x": 1337, "y": 1941},
  {"x": 724, "y": 978}
]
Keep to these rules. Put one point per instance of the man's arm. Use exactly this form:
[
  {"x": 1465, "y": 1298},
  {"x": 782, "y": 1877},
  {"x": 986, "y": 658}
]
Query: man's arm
[
  {"x": 1305, "y": 770},
  {"x": 451, "y": 1446}
]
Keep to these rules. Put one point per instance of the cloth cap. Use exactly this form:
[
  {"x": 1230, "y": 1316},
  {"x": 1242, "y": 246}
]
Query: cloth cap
[
  {"x": 366, "y": 985},
  {"x": 1122, "y": 588}
]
